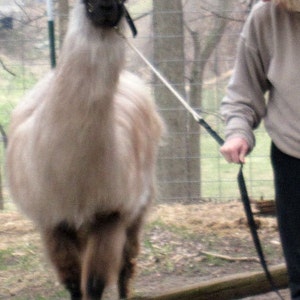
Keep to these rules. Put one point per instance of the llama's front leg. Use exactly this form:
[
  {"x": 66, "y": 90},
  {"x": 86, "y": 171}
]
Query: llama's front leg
[
  {"x": 131, "y": 252},
  {"x": 103, "y": 256},
  {"x": 63, "y": 248}
]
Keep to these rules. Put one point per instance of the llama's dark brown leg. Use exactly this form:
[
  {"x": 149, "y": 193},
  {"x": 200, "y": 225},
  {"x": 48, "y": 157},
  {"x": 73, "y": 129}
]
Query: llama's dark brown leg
[
  {"x": 63, "y": 248},
  {"x": 103, "y": 255},
  {"x": 131, "y": 251}
]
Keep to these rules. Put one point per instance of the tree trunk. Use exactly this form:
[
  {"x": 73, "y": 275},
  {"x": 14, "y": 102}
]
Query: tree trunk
[{"x": 178, "y": 168}]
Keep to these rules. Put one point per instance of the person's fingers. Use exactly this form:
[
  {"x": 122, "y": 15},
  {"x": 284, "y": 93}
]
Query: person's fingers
[
  {"x": 235, "y": 150},
  {"x": 228, "y": 153},
  {"x": 227, "y": 156},
  {"x": 243, "y": 152}
]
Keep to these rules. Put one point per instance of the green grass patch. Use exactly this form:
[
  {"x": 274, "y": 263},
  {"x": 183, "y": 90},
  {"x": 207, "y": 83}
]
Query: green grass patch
[
  {"x": 12, "y": 89},
  {"x": 6, "y": 259},
  {"x": 21, "y": 258}
]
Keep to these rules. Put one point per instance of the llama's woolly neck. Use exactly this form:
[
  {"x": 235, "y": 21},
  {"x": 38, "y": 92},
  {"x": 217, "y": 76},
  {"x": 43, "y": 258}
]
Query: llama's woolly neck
[
  {"x": 79, "y": 105},
  {"x": 97, "y": 53}
]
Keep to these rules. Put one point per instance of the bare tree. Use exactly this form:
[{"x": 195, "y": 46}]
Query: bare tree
[
  {"x": 6, "y": 68},
  {"x": 177, "y": 40}
]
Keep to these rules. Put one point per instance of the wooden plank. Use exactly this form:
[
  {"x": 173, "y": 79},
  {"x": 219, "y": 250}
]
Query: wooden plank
[{"x": 226, "y": 288}]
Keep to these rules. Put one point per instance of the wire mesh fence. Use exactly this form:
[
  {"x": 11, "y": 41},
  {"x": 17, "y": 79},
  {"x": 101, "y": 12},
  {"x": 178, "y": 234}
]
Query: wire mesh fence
[{"x": 204, "y": 73}]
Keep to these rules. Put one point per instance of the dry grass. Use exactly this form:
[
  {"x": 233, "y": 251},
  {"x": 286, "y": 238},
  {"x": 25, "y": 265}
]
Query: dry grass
[{"x": 222, "y": 218}]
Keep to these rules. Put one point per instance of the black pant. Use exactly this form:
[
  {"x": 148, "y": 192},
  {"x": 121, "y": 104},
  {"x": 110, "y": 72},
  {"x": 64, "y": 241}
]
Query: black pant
[{"x": 287, "y": 188}]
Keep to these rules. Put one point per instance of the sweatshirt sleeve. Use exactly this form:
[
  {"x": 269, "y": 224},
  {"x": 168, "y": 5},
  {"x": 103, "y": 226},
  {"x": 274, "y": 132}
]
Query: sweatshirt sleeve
[{"x": 244, "y": 105}]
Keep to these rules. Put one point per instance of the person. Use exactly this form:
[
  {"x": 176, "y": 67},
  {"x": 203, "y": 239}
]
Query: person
[{"x": 265, "y": 85}]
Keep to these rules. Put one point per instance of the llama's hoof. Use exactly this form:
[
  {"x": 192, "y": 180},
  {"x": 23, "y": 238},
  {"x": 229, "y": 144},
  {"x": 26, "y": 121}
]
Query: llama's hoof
[
  {"x": 95, "y": 287},
  {"x": 74, "y": 290}
]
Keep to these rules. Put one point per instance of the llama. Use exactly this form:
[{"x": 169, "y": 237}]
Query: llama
[{"x": 81, "y": 155}]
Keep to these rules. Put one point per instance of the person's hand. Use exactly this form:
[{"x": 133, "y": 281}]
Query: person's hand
[{"x": 235, "y": 150}]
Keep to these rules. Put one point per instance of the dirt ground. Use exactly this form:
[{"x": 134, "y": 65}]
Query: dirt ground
[{"x": 182, "y": 245}]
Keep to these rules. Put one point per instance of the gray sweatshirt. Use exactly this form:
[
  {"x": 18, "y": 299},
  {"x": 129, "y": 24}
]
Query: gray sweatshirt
[{"x": 268, "y": 60}]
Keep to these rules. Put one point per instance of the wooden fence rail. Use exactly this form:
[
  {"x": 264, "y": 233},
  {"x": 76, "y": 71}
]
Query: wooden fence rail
[{"x": 226, "y": 288}]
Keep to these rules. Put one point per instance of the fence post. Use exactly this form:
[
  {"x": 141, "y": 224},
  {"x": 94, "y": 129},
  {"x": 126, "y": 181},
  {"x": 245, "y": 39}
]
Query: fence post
[{"x": 51, "y": 31}]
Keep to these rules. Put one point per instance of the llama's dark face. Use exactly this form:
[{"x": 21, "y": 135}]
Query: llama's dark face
[{"x": 105, "y": 13}]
